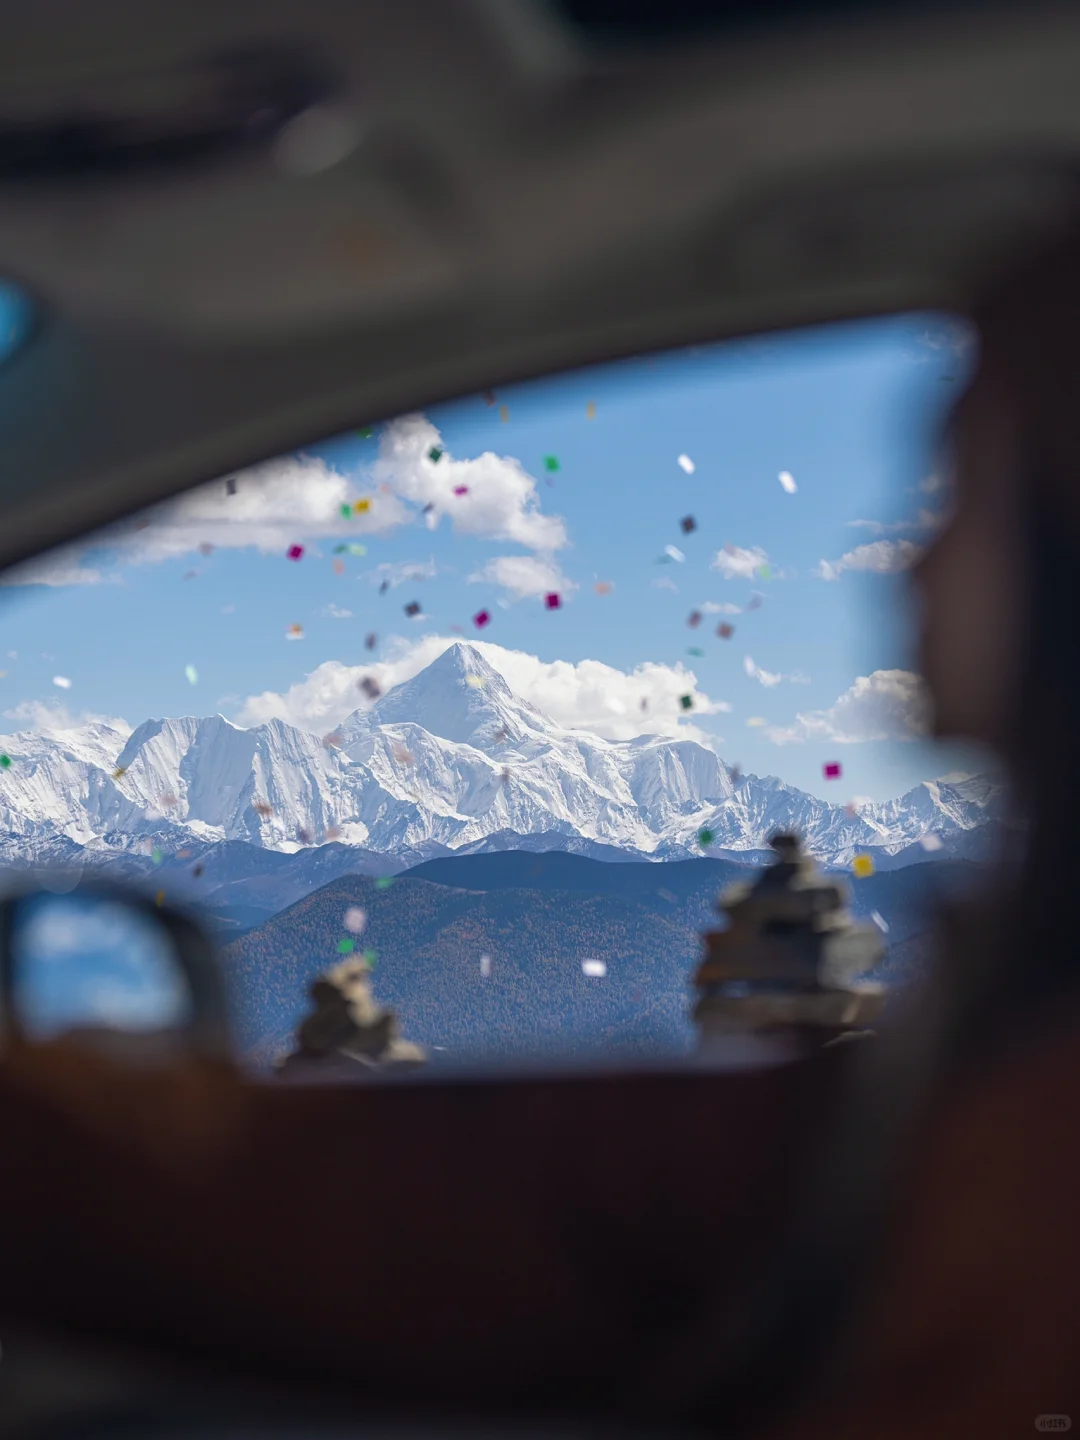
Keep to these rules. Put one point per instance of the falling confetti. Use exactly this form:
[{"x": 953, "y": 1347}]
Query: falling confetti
[
  {"x": 412, "y": 608},
  {"x": 930, "y": 842},
  {"x": 362, "y": 506},
  {"x": 787, "y": 480},
  {"x": 370, "y": 640},
  {"x": 157, "y": 856},
  {"x": 355, "y": 920},
  {"x": 402, "y": 754},
  {"x": 192, "y": 674},
  {"x": 159, "y": 899},
  {"x": 5, "y": 762},
  {"x": 485, "y": 966},
  {"x": 687, "y": 464},
  {"x": 687, "y": 524},
  {"x": 765, "y": 572},
  {"x": 62, "y": 681},
  {"x": 831, "y": 770},
  {"x": 694, "y": 619},
  {"x": 294, "y": 552},
  {"x": 756, "y": 599},
  {"x": 695, "y": 650},
  {"x": 333, "y": 740},
  {"x": 304, "y": 835},
  {"x": 705, "y": 838},
  {"x": 197, "y": 873},
  {"x": 346, "y": 510},
  {"x": 384, "y": 882},
  {"x": 686, "y": 701},
  {"x": 489, "y": 398},
  {"x": 119, "y": 771},
  {"x": 262, "y": 808},
  {"x": 674, "y": 553},
  {"x": 168, "y": 800},
  {"x": 594, "y": 969},
  {"x": 294, "y": 632},
  {"x": 333, "y": 832},
  {"x": 435, "y": 454},
  {"x": 481, "y": 618},
  {"x": 461, "y": 489},
  {"x": 384, "y": 587},
  {"x": 205, "y": 548},
  {"x": 346, "y": 947},
  {"x": 551, "y": 463},
  {"x": 602, "y": 587},
  {"x": 365, "y": 432},
  {"x": 725, "y": 631},
  {"x": 474, "y": 682},
  {"x": 504, "y": 413},
  {"x": 370, "y": 959},
  {"x": 230, "y": 487},
  {"x": 191, "y": 575},
  {"x": 862, "y": 867},
  {"x": 880, "y": 921},
  {"x": 590, "y": 410},
  {"x": 370, "y": 687},
  {"x": 552, "y": 600},
  {"x": 339, "y": 567},
  {"x": 644, "y": 702}
]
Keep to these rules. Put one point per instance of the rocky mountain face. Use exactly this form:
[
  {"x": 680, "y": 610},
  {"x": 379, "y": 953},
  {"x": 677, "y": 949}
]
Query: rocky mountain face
[{"x": 450, "y": 761}]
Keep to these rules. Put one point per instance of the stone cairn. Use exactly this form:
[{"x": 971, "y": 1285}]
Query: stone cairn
[
  {"x": 348, "y": 1028},
  {"x": 786, "y": 965}
]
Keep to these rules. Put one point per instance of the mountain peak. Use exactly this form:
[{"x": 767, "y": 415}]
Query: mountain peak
[
  {"x": 459, "y": 697},
  {"x": 461, "y": 660}
]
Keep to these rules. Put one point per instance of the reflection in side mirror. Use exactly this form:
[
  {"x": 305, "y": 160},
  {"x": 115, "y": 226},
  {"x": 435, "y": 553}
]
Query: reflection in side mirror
[
  {"x": 112, "y": 970},
  {"x": 85, "y": 962}
]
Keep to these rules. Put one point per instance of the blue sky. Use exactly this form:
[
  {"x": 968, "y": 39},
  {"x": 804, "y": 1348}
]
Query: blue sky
[{"x": 852, "y": 412}]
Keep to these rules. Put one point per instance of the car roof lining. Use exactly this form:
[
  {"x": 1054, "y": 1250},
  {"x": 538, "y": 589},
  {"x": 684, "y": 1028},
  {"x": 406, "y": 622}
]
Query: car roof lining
[{"x": 620, "y": 208}]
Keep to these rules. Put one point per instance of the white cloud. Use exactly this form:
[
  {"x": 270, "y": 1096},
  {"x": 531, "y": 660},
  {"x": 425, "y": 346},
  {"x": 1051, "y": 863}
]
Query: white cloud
[
  {"x": 283, "y": 502},
  {"x": 662, "y": 582},
  {"x": 501, "y": 502},
  {"x": 524, "y": 575},
  {"x": 298, "y": 499},
  {"x": 401, "y": 572},
  {"x": 587, "y": 696},
  {"x": 769, "y": 678},
  {"x": 41, "y": 715},
  {"x": 885, "y": 705},
  {"x": 924, "y": 520},
  {"x": 736, "y": 563},
  {"x": 883, "y": 557},
  {"x": 766, "y": 677},
  {"x": 60, "y": 567}
]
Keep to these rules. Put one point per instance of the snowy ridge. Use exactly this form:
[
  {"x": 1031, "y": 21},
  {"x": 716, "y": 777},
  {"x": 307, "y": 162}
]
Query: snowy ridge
[{"x": 450, "y": 759}]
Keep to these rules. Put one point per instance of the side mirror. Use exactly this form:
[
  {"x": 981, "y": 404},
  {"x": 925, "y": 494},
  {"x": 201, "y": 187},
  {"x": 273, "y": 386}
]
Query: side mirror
[{"x": 137, "y": 980}]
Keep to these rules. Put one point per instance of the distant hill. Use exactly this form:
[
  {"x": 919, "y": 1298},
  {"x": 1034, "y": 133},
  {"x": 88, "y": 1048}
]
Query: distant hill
[{"x": 537, "y": 916}]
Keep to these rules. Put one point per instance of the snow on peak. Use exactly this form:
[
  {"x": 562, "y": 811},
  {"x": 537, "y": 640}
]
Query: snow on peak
[{"x": 447, "y": 759}]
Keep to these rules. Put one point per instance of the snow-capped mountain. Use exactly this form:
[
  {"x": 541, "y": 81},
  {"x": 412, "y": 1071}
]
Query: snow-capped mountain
[{"x": 451, "y": 759}]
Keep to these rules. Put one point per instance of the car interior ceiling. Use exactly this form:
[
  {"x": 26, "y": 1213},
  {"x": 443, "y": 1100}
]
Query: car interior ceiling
[{"x": 550, "y": 202}]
